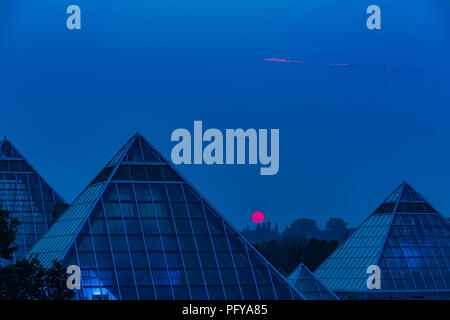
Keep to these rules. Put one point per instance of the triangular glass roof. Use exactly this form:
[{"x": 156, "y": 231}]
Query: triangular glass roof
[
  {"x": 27, "y": 196},
  {"x": 410, "y": 242},
  {"x": 141, "y": 231},
  {"x": 312, "y": 289},
  {"x": 405, "y": 199}
]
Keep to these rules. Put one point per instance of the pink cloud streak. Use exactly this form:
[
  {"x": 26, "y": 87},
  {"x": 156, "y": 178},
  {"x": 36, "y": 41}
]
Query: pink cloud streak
[
  {"x": 337, "y": 64},
  {"x": 282, "y": 60}
]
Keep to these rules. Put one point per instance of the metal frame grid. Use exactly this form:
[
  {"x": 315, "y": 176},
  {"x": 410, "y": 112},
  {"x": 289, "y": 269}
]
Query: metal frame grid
[
  {"x": 27, "y": 196},
  {"x": 416, "y": 256}
]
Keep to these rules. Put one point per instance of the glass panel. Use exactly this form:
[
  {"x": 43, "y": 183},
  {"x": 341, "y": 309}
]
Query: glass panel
[{"x": 27, "y": 197}]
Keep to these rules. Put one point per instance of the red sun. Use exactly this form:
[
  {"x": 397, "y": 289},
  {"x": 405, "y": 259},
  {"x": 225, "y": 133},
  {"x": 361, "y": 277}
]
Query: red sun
[{"x": 257, "y": 217}]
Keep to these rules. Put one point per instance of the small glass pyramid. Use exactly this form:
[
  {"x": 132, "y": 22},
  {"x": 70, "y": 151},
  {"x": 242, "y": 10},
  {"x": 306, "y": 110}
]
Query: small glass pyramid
[
  {"x": 28, "y": 197},
  {"x": 410, "y": 242},
  {"x": 312, "y": 289},
  {"x": 140, "y": 231}
]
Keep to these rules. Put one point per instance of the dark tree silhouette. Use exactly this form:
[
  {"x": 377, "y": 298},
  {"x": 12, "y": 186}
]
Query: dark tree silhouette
[
  {"x": 306, "y": 227},
  {"x": 287, "y": 253},
  {"x": 337, "y": 228},
  {"x": 27, "y": 279},
  {"x": 8, "y": 229}
]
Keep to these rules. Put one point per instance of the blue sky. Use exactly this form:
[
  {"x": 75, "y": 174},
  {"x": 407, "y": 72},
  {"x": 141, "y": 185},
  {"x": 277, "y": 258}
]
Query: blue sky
[{"x": 363, "y": 111}]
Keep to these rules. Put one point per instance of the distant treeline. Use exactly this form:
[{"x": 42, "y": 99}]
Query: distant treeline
[
  {"x": 287, "y": 253},
  {"x": 335, "y": 229}
]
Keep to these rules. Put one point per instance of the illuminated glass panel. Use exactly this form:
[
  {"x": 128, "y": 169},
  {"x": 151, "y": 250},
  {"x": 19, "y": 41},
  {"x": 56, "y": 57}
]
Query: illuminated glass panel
[{"x": 417, "y": 254}]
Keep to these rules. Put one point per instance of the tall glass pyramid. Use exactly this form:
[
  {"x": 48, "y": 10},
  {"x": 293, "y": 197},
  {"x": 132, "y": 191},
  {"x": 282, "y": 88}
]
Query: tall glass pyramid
[
  {"x": 141, "y": 231},
  {"x": 27, "y": 196},
  {"x": 312, "y": 289},
  {"x": 410, "y": 242}
]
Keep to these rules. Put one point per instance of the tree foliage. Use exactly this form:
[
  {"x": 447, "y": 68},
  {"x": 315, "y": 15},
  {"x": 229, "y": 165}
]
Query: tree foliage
[
  {"x": 287, "y": 253},
  {"x": 27, "y": 279},
  {"x": 303, "y": 226},
  {"x": 8, "y": 229}
]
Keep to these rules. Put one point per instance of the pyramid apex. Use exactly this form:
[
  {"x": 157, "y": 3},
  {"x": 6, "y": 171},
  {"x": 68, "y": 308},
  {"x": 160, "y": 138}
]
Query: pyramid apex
[
  {"x": 138, "y": 134},
  {"x": 302, "y": 277}
]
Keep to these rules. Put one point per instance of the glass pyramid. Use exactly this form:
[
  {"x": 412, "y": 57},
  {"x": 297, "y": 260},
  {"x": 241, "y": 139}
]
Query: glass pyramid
[
  {"x": 410, "y": 242},
  {"x": 141, "y": 231},
  {"x": 312, "y": 289},
  {"x": 26, "y": 195}
]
